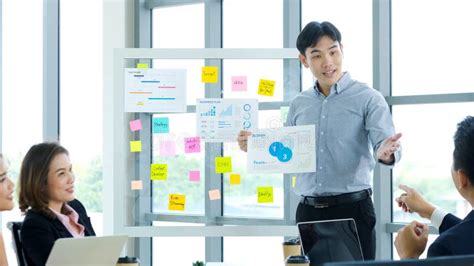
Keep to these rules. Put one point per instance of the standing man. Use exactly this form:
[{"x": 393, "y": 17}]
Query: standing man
[{"x": 354, "y": 129}]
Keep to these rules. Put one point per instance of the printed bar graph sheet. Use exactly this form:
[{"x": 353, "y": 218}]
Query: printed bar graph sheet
[
  {"x": 220, "y": 120},
  {"x": 155, "y": 90}
]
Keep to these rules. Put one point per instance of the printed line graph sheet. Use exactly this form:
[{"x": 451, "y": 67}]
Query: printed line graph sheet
[
  {"x": 282, "y": 150},
  {"x": 155, "y": 90}
]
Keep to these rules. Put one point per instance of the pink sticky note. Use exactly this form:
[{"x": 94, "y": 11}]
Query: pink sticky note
[
  {"x": 137, "y": 185},
  {"x": 192, "y": 144},
  {"x": 136, "y": 125},
  {"x": 239, "y": 83},
  {"x": 194, "y": 176},
  {"x": 167, "y": 148},
  {"x": 214, "y": 194}
]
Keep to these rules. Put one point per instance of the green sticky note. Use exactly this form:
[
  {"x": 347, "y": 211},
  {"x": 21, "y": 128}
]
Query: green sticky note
[
  {"x": 159, "y": 171},
  {"x": 223, "y": 165},
  {"x": 136, "y": 146},
  {"x": 265, "y": 194},
  {"x": 142, "y": 66}
]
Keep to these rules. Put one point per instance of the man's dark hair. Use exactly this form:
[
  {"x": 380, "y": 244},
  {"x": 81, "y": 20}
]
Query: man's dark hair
[
  {"x": 314, "y": 31},
  {"x": 463, "y": 155}
]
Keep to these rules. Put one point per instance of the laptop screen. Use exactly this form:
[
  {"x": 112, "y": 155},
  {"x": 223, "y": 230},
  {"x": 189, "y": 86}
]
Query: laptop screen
[{"x": 330, "y": 240}]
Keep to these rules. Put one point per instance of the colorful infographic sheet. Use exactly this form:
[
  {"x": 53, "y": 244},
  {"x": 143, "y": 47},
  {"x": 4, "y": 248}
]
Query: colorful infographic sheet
[
  {"x": 282, "y": 150},
  {"x": 155, "y": 90},
  {"x": 220, "y": 120}
]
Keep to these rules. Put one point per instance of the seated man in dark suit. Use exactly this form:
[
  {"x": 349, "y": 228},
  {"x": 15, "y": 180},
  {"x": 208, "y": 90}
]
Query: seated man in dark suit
[{"x": 455, "y": 235}]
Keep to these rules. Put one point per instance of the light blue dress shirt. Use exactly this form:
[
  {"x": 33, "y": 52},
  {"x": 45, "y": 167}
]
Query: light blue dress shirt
[{"x": 351, "y": 123}]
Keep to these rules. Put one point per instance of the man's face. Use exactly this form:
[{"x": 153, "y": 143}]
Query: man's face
[{"x": 325, "y": 61}]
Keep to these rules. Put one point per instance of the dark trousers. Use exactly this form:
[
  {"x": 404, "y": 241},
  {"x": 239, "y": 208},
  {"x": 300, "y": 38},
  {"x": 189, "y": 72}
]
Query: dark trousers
[{"x": 361, "y": 211}]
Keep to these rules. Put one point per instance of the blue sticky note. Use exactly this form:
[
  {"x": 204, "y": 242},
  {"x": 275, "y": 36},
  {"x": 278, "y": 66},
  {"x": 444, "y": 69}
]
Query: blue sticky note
[{"x": 161, "y": 125}]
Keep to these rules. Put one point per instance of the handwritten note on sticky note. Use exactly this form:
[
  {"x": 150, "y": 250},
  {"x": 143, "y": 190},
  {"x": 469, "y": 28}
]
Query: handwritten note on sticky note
[
  {"x": 158, "y": 171},
  {"x": 265, "y": 194},
  {"x": 194, "y": 176},
  {"x": 167, "y": 148},
  {"x": 136, "y": 185},
  {"x": 223, "y": 165},
  {"x": 176, "y": 202},
  {"x": 293, "y": 181},
  {"x": 161, "y": 125},
  {"x": 136, "y": 146},
  {"x": 266, "y": 87},
  {"x": 136, "y": 125},
  {"x": 192, "y": 145},
  {"x": 234, "y": 179},
  {"x": 209, "y": 74},
  {"x": 142, "y": 66},
  {"x": 239, "y": 83},
  {"x": 214, "y": 194}
]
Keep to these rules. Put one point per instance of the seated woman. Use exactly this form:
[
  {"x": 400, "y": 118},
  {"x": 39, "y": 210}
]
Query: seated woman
[
  {"x": 6, "y": 202},
  {"x": 47, "y": 198}
]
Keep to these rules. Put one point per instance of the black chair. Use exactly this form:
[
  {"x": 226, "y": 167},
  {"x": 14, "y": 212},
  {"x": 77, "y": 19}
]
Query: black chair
[
  {"x": 15, "y": 227},
  {"x": 461, "y": 260}
]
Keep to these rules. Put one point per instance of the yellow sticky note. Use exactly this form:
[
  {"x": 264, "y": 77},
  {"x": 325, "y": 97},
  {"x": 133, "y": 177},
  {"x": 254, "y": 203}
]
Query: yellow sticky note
[
  {"x": 143, "y": 66},
  {"x": 266, "y": 87},
  {"x": 176, "y": 202},
  {"x": 136, "y": 185},
  {"x": 234, "y": 179},
  {"x": 209, "y": 74},
  {"x": 293, "y": 181},
  {"x": 223, "y": 165},
  {"x": 214, "y": 194},
  {"x": 158, "y": 171},
  {"x": 265, "y": 194},
  {"x": 136, "y": 146}
]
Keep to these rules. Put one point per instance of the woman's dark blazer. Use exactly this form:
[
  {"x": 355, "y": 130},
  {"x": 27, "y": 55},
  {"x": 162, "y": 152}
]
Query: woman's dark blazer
[{"x": 39, "y": 232}]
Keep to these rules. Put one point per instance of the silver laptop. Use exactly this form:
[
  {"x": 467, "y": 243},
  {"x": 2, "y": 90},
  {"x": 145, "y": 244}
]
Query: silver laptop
[
  {"x": 92, "y": 251},
  {"x": 330, "y": 240}
]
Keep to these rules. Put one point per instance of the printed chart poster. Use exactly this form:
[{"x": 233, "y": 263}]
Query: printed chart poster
[
  {"x": 220, "y": 120},
  {"x": 282, "y": 150},
  {"x": 155, "y": 90}
]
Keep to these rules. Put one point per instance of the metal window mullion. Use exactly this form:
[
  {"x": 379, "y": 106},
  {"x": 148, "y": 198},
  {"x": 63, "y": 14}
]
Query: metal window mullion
[
  {"x": 51, "y": 70},
  {"x": 143, "y": 202},
  {"x": 382, "y": 82},
  {"x": 150, "y": 4},
  {"x": 213, "y": 39},
  {"x": 291, "y": 87}
]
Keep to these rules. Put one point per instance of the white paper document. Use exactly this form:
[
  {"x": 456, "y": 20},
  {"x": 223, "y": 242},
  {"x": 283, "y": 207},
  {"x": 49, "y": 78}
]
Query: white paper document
[
  {"x": 282, "y": 150},
  {"x": 220, "y": 120},
  {"x": 155, "y": 90}
]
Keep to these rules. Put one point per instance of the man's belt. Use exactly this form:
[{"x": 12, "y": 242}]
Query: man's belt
[{"x": 328, "y": 201}]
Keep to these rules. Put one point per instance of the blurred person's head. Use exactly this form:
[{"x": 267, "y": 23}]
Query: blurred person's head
[
  {"x": 463, "y": 158},
  {"x": 46, "y": 179},
  {"x": 6, "y": 186},
  {"x": 320, "y": 50}
]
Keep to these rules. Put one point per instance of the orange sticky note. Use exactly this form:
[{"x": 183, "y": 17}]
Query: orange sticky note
[
  {"x": 136, "y": 146},
  {"x": 234, "y": 179},
  {"x": 158, "y": 171},
  {"x": 266, "y": 87},
  {"x": 214, "y": 194},
  {"x": 265, "y": 194},
  {"x": 209, "y": 74},
  {"x": 223, "y": 165},
  {"x": 176, "y": 202},
  {"x": 136, "y": 185}
]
